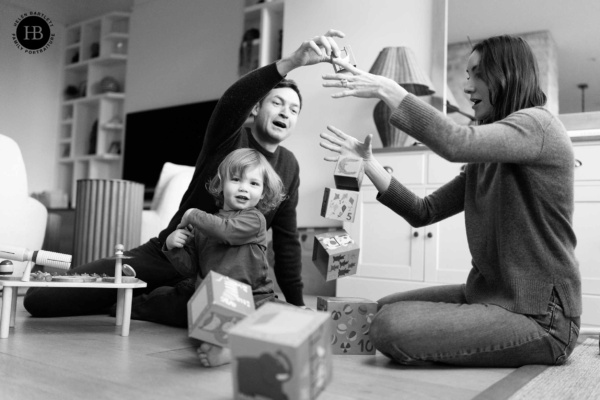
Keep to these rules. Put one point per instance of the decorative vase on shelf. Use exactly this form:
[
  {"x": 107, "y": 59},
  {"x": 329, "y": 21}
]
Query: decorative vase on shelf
[
  {"x": 390, "y": 135},
  {"x": 109, "y": 84}
]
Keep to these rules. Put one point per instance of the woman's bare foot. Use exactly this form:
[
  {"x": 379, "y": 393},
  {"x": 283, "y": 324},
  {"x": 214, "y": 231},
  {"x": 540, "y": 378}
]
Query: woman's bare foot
[{"x": 212, "y": 356}]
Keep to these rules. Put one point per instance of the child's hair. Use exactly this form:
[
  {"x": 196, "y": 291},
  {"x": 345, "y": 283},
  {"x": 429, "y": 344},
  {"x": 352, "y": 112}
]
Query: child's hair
[
  {"x": 235, "y": 163},
  {"x": 509, "y": 68}
]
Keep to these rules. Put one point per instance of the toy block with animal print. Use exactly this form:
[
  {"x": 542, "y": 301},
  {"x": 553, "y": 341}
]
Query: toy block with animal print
[
  {"x": 350, "y": 319},
  {"x": 218, "y": 304},
  {"x": 348, "y": 173},
  {"x": 335, "y": 254},
  {"x": 281, "y": 352},
  {"x": 339, "y": 204}
]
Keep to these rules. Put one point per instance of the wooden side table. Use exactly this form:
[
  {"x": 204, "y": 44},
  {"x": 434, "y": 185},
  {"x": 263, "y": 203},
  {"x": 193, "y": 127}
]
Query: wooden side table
[{"x": 124, "y": 297}]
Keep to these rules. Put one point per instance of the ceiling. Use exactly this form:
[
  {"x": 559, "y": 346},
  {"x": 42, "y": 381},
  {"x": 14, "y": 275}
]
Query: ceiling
[{"x": 574, "y": 25}]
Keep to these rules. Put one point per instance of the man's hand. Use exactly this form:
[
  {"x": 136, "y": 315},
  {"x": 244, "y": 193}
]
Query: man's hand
[{"x": 313, "y": 51}]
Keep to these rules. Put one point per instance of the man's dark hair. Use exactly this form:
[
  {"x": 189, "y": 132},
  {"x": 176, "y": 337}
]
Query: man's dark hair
[{"x": 288, "y": 83}]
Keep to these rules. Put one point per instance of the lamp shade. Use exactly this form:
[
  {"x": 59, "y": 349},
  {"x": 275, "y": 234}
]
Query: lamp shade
[{"x": 400, "y": 65}]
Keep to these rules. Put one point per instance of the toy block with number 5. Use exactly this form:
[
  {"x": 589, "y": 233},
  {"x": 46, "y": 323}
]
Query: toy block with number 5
[{"x": 339, "y": 204}]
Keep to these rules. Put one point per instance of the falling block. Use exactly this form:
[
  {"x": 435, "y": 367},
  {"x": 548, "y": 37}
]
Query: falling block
[
  {"x": 348, "y": 173},
  {"x": 350, "y": 319},
  {"x": 339, "y": 204},
  {"x": 281, "y": 352},
  {"x": 216, "y": 306},
  {"x": 335, "y": 254}
]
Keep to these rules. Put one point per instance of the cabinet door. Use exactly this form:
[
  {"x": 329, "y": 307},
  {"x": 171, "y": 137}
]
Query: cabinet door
[
  {"x": 585, "y": 222},
  {"x": 389, "y": 247}
]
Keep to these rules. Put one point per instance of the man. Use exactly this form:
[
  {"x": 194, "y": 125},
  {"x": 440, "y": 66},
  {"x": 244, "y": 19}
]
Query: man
[{"x": 275, "y": 103}]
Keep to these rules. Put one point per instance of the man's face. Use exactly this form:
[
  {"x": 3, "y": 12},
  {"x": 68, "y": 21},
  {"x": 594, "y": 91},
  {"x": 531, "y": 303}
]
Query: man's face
[{"x": 275, "y": 117}]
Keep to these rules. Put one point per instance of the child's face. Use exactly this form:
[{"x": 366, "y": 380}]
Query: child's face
[{"x": 242, "y": 192}]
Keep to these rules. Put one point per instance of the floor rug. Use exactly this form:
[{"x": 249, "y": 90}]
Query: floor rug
[{"x": 578, "y": 378}]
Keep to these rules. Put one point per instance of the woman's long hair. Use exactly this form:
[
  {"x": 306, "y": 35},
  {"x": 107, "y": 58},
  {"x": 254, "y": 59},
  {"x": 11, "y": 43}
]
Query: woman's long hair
[{"x": 509, "y": 68}]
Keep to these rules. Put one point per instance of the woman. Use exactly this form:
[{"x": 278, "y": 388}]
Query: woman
[{"x": 522, "y": 299}]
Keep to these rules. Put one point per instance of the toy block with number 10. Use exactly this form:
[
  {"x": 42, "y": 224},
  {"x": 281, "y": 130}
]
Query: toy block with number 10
[
  {"x": 216, "y": 306},
  {"x": 339, "y": 204},
  {"x": 350, "y": 323},
  {"x": 348, "y": 173},
  {"x": 335, "y": 254},
  {"x": 281, "y": 352}
]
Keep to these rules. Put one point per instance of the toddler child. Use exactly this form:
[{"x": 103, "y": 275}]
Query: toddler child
[{"x": 232, "y": 242}]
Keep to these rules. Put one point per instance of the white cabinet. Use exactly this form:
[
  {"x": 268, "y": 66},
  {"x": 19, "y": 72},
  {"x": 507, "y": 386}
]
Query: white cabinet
[
  {"x": 395, "y": 256},
  {"x": 586, "y": 221},
  {"x": 92, "y": 115},
  {"x": 263, "y": 33}
]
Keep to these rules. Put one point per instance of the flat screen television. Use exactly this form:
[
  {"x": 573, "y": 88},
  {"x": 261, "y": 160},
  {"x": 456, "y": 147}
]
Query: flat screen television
[{"x": 153, "y": 137}]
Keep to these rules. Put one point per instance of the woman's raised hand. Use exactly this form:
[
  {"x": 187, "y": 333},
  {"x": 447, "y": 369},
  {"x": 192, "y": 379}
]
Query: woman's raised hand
[
  {"x": 359, "y": 83},
  {"x": 343, "y": 144}
]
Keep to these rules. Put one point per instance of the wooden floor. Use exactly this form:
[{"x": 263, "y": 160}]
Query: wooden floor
[{"x": 85, "y": 358}]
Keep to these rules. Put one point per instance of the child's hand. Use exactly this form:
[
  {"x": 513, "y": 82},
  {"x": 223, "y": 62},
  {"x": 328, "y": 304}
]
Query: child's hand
[
  {"x": 186, "y": 219},
  {"x": 178, "y": 238}
]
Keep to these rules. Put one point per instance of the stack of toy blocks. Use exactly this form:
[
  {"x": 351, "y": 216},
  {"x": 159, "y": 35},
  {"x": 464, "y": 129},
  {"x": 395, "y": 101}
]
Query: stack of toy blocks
[
  {"x": 281, "y": 352},
  {"x": 335, "y": 253},
  {"x": 350, "y": 320},
  {"x": 340, "y": 203},
  {"x": 216, "y": 306}
]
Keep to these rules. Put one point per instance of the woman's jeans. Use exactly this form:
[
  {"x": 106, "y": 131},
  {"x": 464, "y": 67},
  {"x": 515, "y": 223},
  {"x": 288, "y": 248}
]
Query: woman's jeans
[{"x": 437, "y": 324}]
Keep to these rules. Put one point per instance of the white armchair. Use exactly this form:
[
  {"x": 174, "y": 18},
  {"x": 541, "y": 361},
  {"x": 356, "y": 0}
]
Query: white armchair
[
  {"x": 172, "y": 184},
  {"x": 22, "y": 218}
]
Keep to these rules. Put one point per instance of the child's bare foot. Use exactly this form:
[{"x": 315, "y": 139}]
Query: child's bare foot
[{"x": 212, "y": 356}]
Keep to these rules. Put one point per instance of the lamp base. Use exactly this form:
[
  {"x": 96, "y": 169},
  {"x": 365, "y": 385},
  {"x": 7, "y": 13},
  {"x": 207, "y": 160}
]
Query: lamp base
[{"x": 390, "y": 136}]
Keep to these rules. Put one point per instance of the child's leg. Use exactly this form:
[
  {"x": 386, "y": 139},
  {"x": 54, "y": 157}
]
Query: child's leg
[
  {"x": 212, "y": 355},
  {"x": 478, "y": 335}
]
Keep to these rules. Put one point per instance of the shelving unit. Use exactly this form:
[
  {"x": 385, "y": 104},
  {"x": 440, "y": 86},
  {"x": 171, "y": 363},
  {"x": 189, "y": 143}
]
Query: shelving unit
[
  {"x": 266, "y": 19},
  {"x": 92, "y": 113}
]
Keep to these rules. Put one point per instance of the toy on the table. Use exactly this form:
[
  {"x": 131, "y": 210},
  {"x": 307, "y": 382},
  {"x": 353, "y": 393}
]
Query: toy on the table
[
  {"x": 6, "y": 268},
  {"x": 40, "y": 257},
  {"x": 121, "y": 268}
]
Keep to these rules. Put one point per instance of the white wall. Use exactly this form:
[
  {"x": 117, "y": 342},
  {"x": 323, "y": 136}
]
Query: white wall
[
  {"x": 181, "y": 51},
  {"x": 29, "y": 103},
  {"x": 369, "y": 27}
]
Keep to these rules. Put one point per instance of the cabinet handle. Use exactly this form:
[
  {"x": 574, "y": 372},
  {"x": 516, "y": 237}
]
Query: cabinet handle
[
  {"x": 389, "y": 169},
  {"x": 416, "y": 234},
  {"x": 578, "y": 163},
  {"x": 430, "y": 235}
]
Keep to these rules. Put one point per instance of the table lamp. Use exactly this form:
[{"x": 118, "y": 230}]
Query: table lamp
[{"x": 399, "y": 64}]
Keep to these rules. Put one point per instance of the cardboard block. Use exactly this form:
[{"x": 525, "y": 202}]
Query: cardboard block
[
  {"x": 339, "y": 204},
  {"x": 350, "y": 319},
  {"x": 218, "y": 304},
  {"x": 281, "y": 352},
  {"x": 349, "y": 173},
  {"x": 335, "y": 254}
]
